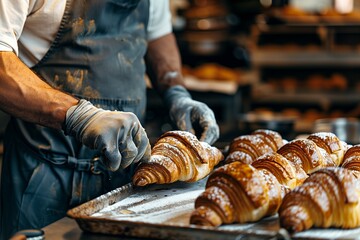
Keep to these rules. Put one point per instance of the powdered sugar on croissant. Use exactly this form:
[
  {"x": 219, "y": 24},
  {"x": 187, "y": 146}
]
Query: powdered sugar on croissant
[
  {"x": 352, "y": 160},
  {"x": 247, "y": 148},
  {"x": 305, "y": 153},
  {"x": 331, "y": 144},
  {"x": 177, "y": 156},
  {"x": 237, "y": 192},
  {"x": 272, "y": 174},
  {"x": 330, "y": 197}
]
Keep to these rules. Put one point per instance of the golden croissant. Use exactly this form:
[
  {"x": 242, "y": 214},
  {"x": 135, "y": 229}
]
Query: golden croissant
[
  {"x": 280, "y": 171},
  {"x": 247, "y": 148},
  {"x": 352, "y": 160},
  {"x": 177, "y": 156},
  {"x": 306, "y": 154},
  {"x": 329, "y": 197},
  {"x": 237, "y": 192},
  {"x": 332, "y": 145},
  {"x": 292, "y": 163},
  {"x": 286, "y": 172}
]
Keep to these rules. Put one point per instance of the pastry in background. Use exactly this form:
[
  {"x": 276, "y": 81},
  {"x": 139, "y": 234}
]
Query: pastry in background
[
  {"x": 206, "y": 9},
  {"x": 213, "y": 71},
  {"x": 263, "y": 113},
  {"x": 290, "y": 84},
  {"x": 274, "y": 84},
  {"x": 316, "y": 82},
  {"x": 294, "y": 14},
  {"x": 186, "y": 70},
  {"x": 293, "y": 11},
  {"x": 338, "y": 82},
  {"x": 291, "y": 113},
  {"x": 337, "y": 114},
  {"x": 310, "y": 115},
  {"x": 353, "y": 16},
  {"x": 205, "y": 71}
]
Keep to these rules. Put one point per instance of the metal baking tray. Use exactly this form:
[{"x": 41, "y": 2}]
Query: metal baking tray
[{"x": 163, "y": 212}]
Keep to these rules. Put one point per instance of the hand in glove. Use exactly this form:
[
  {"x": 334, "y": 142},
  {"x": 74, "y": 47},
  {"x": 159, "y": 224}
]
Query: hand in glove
[
  {"x": 118, "y": 135},
  {"x": 184, "y": 111}
]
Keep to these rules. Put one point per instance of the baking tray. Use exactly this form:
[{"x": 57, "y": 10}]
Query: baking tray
[{"x": 163, "y": 212}]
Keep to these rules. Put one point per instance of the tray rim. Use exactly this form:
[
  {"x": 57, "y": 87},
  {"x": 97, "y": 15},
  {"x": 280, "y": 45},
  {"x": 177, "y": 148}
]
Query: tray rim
[
  {"x": 85, "y": 220},
  {"x": 128, "y": 228}
]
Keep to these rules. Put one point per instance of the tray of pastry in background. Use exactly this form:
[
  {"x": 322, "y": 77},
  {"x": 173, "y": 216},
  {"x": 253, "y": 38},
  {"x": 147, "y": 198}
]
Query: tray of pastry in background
[
  {"x": 215, "y": 77},
  {"x": 293, "y": 15},
  {"x": 163, "y": 212}
]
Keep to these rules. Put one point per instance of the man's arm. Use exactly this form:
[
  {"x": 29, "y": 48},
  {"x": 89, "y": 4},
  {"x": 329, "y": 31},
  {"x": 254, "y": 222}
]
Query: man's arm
[
  {"x": 118, "y": 135},
  {"x": 164, "y": 63},
  {"x": 164, "y": 69},
  {"x": 24, "y": 95}
]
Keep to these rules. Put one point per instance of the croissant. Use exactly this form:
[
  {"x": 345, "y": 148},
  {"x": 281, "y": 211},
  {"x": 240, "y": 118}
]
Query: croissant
[
  {"x": 247, "y": 148},
  {"x": 352, "y": 160},
  {"x": 237, "y": 192},
  {"x": 331, "y": 144},
  {"x": 294, "y": 160},
  {"x": 280, "y": 171},
  {"x": 177, "y": 156},
  {"x": 305, "y": 154},
  {"x": 329, "y": 197},
  {"x": 286, "y": 172}
]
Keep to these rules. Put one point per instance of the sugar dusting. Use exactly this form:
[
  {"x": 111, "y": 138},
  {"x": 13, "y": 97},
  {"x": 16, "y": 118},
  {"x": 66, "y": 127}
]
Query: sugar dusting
[
  {"x": 166, "y": 206},
  {"x": 171, "y": 205},
  {"x": 329, "y": 233}
]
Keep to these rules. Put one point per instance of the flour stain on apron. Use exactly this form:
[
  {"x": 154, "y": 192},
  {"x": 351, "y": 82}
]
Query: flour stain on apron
[
  {"x": 75, "y": 80},
  {"x": 81, "y": 27}
]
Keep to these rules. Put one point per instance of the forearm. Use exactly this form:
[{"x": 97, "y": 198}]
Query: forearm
[
  {"x": 24, "y": 95},
  {"x": 162, "y": 58}
]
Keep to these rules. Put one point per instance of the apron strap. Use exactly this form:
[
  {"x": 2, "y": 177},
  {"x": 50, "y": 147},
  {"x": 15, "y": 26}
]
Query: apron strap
[{"x": 94, "y": 165}]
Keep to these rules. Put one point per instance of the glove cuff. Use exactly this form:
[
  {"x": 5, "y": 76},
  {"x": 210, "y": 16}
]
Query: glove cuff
[
  {"x": 77, "y": 116},
  {"x": 175, "y": 93}
]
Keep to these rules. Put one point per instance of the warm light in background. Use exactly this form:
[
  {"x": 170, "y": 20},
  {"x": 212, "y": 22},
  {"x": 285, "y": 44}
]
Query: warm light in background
[
  {"x": 266, "y": 3},
  {"x": 344, "y": 6}
]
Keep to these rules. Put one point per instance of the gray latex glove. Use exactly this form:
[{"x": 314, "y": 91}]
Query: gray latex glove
[
  {"x": 184, "y": 111},
  {"x": 118, "y": 135}
]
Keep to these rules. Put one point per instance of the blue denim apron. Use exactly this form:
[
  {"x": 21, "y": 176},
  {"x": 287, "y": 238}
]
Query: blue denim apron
[{"x": 97, "y": 55}]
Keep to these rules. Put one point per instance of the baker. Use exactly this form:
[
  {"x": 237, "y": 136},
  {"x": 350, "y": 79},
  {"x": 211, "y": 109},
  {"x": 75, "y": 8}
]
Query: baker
[{"x": 72, "y": 79}]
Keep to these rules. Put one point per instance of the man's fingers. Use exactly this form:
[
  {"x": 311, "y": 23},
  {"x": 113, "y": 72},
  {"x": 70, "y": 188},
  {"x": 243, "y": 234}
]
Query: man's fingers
[
  {"x": 112, "y": 157},
  {"x": 128, "y": 151},
  {"x": 210, "y": 134},
  {"x": 142, "y": 143},
  {"x": 184, "y": 122},
  {"x": 206, "y": 118}
]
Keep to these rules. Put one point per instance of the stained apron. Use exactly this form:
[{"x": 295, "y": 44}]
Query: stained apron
[{"x": 98, "y": 55}]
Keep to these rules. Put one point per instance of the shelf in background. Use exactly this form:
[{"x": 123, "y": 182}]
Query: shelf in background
[
  {"x": 307, "y": 97},
  {"x": 278, "y": 58}
]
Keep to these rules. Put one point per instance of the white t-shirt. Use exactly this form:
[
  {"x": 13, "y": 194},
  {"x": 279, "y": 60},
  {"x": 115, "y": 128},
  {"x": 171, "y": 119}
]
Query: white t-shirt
[{"x": 28, "y": 27}]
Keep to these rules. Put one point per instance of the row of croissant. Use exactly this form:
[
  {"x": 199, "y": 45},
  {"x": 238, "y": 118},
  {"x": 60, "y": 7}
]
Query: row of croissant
[{"x": 312, "y": 182}]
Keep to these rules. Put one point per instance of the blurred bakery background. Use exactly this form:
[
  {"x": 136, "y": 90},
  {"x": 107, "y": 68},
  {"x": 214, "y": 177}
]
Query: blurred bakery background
[{"x": 287, "y": 65}]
